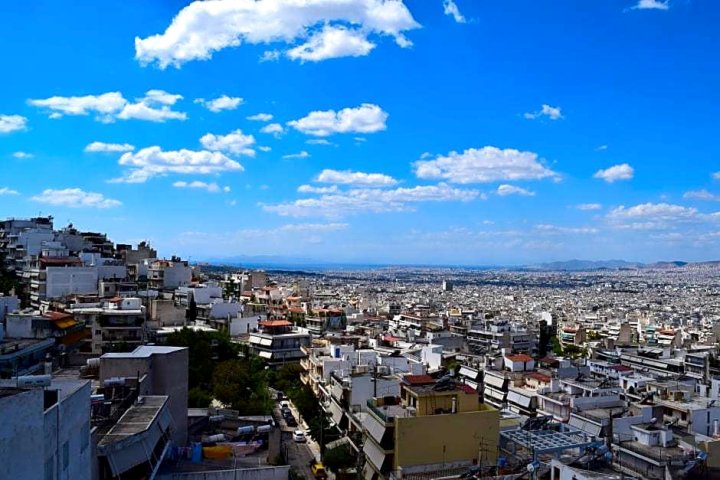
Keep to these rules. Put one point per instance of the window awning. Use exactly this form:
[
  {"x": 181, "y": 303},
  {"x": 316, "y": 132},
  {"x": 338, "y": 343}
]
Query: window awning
[{"x": 65, "y": 324}]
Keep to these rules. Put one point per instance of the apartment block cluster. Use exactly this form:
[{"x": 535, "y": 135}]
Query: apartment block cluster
[
  {"x": 88, "y": 390},
  {"x": 424, "y": 373},
  {"x": 571, "y": 375}
]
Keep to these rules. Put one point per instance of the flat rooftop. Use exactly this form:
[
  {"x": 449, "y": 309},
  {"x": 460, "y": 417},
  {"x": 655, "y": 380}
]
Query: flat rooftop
[
  {"x": 144, "y": 351},
  {"x": 136, "y": 419}
]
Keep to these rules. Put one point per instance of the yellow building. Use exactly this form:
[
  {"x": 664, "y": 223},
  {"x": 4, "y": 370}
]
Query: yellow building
[{"x": 433, "y": 427}]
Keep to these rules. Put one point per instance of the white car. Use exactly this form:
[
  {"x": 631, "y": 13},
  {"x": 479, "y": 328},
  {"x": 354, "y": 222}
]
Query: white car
[{"x": 299, "y": 436}]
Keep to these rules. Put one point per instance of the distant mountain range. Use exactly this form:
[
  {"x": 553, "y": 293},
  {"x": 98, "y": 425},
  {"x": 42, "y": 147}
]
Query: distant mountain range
[{"x": 294, "y": 263}]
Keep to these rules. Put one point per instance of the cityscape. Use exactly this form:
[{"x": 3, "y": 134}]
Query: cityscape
[{"x": 360, "y": 240}]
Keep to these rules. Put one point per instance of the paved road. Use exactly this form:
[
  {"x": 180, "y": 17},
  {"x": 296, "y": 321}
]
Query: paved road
[{"x": 298, "y": 455}]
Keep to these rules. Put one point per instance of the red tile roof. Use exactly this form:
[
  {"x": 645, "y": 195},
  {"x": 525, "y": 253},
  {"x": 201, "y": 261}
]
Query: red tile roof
[
  {"x": 418, "y": 379},
  {"x": 55, "y": 316},
  {"x": 519, "y": 357},
  {"x": 540, "y": 377},
  {"x": 275, "y": 323}
]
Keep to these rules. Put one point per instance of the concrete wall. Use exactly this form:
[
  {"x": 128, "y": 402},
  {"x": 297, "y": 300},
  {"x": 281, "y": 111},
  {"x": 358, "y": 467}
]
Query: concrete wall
[
  {"x": 164, "y": 312},
  {"x": 8, "y": 304},
  {"x": 167, "y": 375},
  {"x": 177, "y": 275},
  {"x": 267, "y": 473},
  {"x": 67, "y": 426},
  {"x": 63, "y": 281},
  {"x": 21, "y": 434},
  {"x": 447, "y": 438}
]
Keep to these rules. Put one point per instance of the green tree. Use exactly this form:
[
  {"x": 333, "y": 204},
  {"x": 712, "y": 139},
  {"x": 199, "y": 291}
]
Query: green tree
[
  {"x": 199, "y": 398},
  {"x": 241, "y": 385},
  {"x": 339, "y": 458}
]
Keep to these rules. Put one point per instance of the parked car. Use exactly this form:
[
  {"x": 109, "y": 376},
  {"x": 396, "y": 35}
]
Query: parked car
[
  {"x": 290, "y": 421},
  {"x": 299, "y": 436},
  {"x": 318, "y": 470}
]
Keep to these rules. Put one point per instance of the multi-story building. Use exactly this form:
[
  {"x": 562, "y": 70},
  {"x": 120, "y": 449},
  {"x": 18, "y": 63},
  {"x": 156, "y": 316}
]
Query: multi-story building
[
  {"x": 278, "y": 343},
  {"x": 118, "y": 323},
  {"x": 45, "y": 432},
  {"x": 57, "y": 277},
  {"x": 169, "y": 274},
  {"x": 436, "y": 428}
]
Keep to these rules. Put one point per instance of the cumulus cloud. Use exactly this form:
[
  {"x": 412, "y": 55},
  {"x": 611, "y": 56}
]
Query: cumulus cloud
[
  {"x": 311, "y": 30},
  {"x": 553, "y": 113},
  {"x": 273, "y": 128},
  {"x": 701, "y": 195},
  {"x": 651, "y": 5},
  {"x": 648, "y": 216},
  {"x": 374, "y": 200},
  {"x": 588, "y": 206},
  {"x": 482, "y": 165},
  {"x": 235, "y": 142},
  {"x": 220, "y": 103},
  {"x": 505, "y": 190},
  {"x": 109, "y": 147},
  {"x": 332, "y": 42},
  {"x": 260, "y": 117},
  {"x": 367, "y": 118},
  {"x": 451, "y": 8},
  {"x": 12, "y": 123},
  {"x": 349, "y": 177},
  {"x": 716, "y": 176},
  {"x": 22, "y": 155},
  {"x": 8, "y": 191},
  {"x": 155, "y": 106},
  {"x": 74, "y": 198},
  {"x": 302, "y": 154},
  {"x": 615, "y": 173},
  {"x": 153, "y": 161},
  {"x": 211, "y": 187}
]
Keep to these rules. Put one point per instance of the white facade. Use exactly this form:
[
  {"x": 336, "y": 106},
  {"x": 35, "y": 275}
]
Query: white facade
[{"x": 62, "y": 281}]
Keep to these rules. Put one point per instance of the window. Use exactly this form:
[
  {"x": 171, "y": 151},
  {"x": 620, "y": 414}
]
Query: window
[{"x": 66, "y": 455}]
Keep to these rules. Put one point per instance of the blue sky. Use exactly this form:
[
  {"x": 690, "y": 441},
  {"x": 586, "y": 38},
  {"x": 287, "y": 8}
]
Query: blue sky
[{"x": 423, "y": 131}]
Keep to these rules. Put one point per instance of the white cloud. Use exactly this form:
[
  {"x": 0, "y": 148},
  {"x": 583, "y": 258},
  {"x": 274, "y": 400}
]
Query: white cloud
[
  {"x": 482, "y": 165},
  {"x": 367, "y": 118},
  {"x": 109, "y": 147},
  {"x": 615, "y": 173},
  {"x": 210, "y": 187},
  {"x": 273, "y": 128},
  {"x": 270, "y": 56},
  {"x": 332, "y": 42},
  {"x": 716, "y": 176},
  {"x": 319, "y": 190},
  {"x": 260, "y": 117},
  {"x": 8, "y": 191},
  {"x": 152, "y": 161},
  {"x": 23, "y": 155},
  {"x": 264, "y": 148},
  {"x": 220, "y": 103},
  {"x": 451, "y": 8},
  {"x": 348, "y": 177},
  {"x": 553, "y": 113},
  {"x": 12, "y": 123},
  {"x": 373, "y": 200},
  {"x": 589, "y": 206},
  {"x": 318, "y": 141},
  {"x": 235, "y": 142},
  {"x": 155, "y": 106},
  {"x": 648, "y": 216},
  {"x": 601, "y": 148},
  {"x": 505, "y": 190},
  {"x": 701, "y": 195},
  {"x": 302, "y": 154},
  {"x": 555, "y": 229},
  {"x": 75, "y": 198},
  {"x": 202, "y": 28},
  {"x": 651, "y": 5}
]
